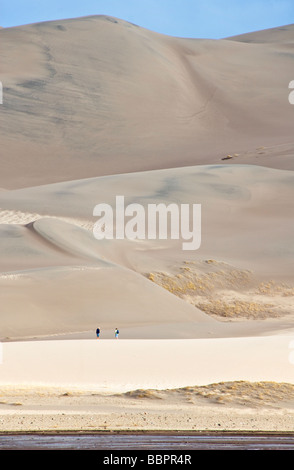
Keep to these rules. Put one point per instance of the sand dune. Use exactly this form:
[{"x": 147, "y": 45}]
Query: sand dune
[
  {"x": 247, "y": 207},
  {"x": 246, "y": 212},
  {"x": 282, "y": 34},
  {"x": 71, "y": 85},
  {"x": 94, "y": 108},
  {"x": 77, "y": 299}
]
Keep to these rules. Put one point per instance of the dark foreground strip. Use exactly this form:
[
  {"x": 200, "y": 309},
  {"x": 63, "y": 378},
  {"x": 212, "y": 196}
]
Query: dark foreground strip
[{"x": 142, "y": 449}]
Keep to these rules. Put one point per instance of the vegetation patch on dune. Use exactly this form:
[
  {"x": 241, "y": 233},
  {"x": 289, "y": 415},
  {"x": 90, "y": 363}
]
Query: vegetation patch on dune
[
  {"x": 202, "y": 279},
  {"x": 235, "y": 393},
  {"x": 272, "y": 288},
  {"x": 226, "y": 292},
  {"x": 238, "y": 308},
  {"x": 141, "y": 393},
  {"x": 245, "y": 393}
]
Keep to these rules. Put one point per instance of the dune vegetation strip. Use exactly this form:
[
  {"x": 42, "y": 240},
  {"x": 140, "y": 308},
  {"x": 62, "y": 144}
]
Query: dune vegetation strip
[
  {"x": 237, "y": 308},
  {"x": 227, "y": 406},
  {"x": 191, "y": 280},
  {"x": 240, "y": 393},
  {"x": 226, "y": 292}
]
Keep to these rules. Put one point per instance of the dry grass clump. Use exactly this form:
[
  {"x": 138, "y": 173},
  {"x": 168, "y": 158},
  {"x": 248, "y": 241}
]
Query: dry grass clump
[
  {"x": 272, "y": 288},
  {"x": 234, "y": 393},
  {"x": 190, "y": 282},
  {"x": 141, "y": 393},
  {"x": 237, "y": 308},
  {"x": 224, "y": 291},
  {"x": 245, "y": 393},
  {"x": 15, "y": 403}
]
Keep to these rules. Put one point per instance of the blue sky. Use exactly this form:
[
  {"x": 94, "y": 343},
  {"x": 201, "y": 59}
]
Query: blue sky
[{"x": 187, "y": 18}]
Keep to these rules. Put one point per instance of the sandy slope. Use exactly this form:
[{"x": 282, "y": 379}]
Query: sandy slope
[
  {"x": 71, "y": 85},
  {"x": 246, "y": 233},
  {"x": 246, "y": 213}
]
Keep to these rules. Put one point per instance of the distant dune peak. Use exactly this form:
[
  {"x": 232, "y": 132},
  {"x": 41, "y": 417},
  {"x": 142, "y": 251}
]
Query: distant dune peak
[
  {"x": 63, "y": 23},
  {"x": 278, "y": 34}
]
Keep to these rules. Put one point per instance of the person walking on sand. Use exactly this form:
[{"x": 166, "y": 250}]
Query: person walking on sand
[
  {"x": 116, "y": 332},
  {"x": 98, "y": 332}
]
